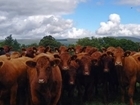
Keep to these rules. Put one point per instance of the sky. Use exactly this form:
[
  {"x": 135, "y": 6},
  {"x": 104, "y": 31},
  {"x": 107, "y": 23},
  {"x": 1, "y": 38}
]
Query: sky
[{"x": 28, "y": 19}]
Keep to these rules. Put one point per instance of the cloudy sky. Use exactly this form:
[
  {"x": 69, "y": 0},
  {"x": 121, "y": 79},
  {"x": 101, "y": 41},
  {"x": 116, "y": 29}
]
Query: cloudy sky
[{"x": 69, "y": 18}]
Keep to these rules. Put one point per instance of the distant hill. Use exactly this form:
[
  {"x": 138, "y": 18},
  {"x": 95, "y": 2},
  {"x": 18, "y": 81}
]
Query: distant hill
[
  {"x": 134, "y": 39},
  {"x": 28, "y": 41},
  {"x": 70, "y": 40}
]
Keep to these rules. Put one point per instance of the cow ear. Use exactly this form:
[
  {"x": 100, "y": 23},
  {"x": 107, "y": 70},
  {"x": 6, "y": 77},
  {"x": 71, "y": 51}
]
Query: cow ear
[
  {"x": 31, "y": 64},
  {"x": 47, "y": 49},
  {"x": 73, "y": 49},
  {"x": 55, "y": 62},
  {"x": 56, "y": 56},
  {"x": 68, "y": 49},
  {"x": 103, "y": 55},
  {"x": 110, "y": 53},
  {"x": 103, "y": 49},
  {"x": 1, "y": 63},
  {"x": 56, "y": 49},
  {"x": 127, "y": 53},
  {"x": 83, "y": 49}
]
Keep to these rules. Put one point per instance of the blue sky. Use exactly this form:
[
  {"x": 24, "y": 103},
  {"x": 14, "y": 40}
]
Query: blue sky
[
  {"x": 88, "y": 15},
  {"x": 69, "y": 18}
]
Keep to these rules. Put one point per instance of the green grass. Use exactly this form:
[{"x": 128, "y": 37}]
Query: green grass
[{"x": 114, "y": 100}]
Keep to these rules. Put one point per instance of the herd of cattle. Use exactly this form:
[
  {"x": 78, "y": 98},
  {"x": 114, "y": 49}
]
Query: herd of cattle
[{"x": 40, "y": 76}]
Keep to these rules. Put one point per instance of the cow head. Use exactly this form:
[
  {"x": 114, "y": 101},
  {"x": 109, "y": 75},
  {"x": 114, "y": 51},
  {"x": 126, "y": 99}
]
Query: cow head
[
  {"x": 79, "y": 49},
  {"x": 7, "y": 48},
  {"x": 65, "y": 60},
  {"x": 107, "y": 61},
  {"x": 89, "y": 50},
  {"x": 29, "y": 52},
  {"x": 119, "y": 56},
  {"x": 96, "y": 57},
  {"x": 72, "y": 72},
  {"x": 15, "y": 54},
  {"x": 43, "y": 66},
  {"x": 85, "y": 64}
]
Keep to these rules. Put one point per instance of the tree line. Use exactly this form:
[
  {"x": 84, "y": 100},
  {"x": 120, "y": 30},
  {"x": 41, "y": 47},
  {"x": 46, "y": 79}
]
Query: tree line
[{"x": 95, "y": 42}]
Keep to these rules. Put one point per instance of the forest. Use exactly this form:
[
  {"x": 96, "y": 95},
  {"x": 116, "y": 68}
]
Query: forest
[{"x": 95, "y": 42}]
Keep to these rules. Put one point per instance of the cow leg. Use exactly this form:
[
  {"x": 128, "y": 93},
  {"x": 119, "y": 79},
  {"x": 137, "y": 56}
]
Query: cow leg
[
  {"x": 57, "y": 92},
  {"x": 13, "y": 95},
  {"x": 123, "y": 94},
  {"x": 131, "y": 90},
  {"x": 4, "y": 97},
  {"x": 105, "y": 92},
  {"x": 34, "y": 97},
  {"x": 80, "y": 94}
]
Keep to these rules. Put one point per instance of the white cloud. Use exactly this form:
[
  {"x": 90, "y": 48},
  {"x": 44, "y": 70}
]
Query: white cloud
[
  {"x": 39, "y": 26},
  {"x": 36, "y": 18},
  {"x": 38, "y": 7},
  {"x": 113, "y": 27}
]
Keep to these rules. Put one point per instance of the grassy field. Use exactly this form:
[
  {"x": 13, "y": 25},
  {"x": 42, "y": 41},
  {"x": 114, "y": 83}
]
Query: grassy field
[
  {"x": 113, "y": 100},
  {"x": 116, "y": 100}
]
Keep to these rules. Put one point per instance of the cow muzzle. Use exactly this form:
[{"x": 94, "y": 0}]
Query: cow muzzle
[
  {"x": 118, "y": 63},
  {"x": 106, "y": 70},
  {"x": 86, "y": 73},
  {"x": 65, "y": 68},
  {"x": 41, "y": 81},
  {"x": 71, "y": 82}
]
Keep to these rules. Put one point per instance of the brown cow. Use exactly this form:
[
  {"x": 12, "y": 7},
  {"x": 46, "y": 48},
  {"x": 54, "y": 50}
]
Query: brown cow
[
  {"x": 62, "y": 49},
  {"x": 15, "y": 55},
  {"x": 79, "y": 49},
  {"x": 65, "y": 60},
  {"x": 108, "y": 76},
  {"x": 42, "y": 49},
  {"x": 96, "y": 69},
  {"x": 7, "y": 49},
  {"x": 128, "y": 71},
  {"x": 89, "y": 49},
  {"x": 29, "y": 52},
  {"x": 13, "y": 77},
  {"x": 84, "y": 77},
  {"x": 69, "y": 82},
  {"x": 4, "y": 57},
  {"x": 68, "y": 67},
  {"x": 111, "y": 49},
  {"x": 2, "y": 51},
  {"x": 45, "y": 80}
]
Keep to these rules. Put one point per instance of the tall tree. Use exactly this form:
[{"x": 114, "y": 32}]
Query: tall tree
[
  {"x": 11, "y": 42},
  {"x": 49, "y": 41}
]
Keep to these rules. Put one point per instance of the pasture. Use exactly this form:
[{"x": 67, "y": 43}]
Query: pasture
[{"x": 98, "y": 100}]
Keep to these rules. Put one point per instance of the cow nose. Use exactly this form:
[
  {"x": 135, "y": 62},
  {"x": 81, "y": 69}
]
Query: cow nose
[
  {"x": 65, "y": 68},
  {"x": 41, "y": 81},
  {"x": 71, "y": 82},
  {"x": 106, "y": 70},
  {"x": 118, "y": 63},
  {"x": 86, "y": 73}
]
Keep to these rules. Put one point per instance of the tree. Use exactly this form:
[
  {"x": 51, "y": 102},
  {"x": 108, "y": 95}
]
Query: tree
[
  {"x": 128, "y": 45},
  {"x": 15, "y": 45},
  {"x": 11, "y": 42},
  {"x": 109, "y": 41},
  {"x": 84, "y": 42},
  {"x": 8, "y": 40},
  {"x": 49, "y": 41}
]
